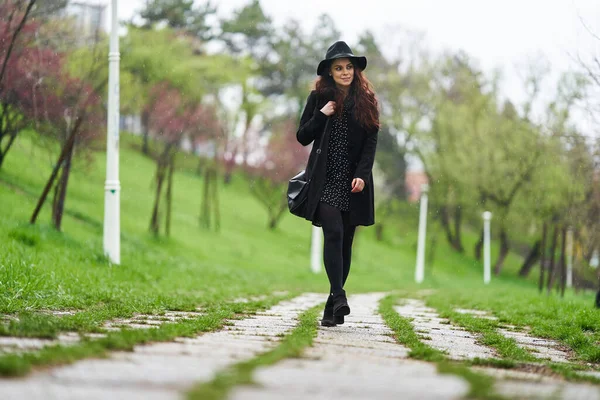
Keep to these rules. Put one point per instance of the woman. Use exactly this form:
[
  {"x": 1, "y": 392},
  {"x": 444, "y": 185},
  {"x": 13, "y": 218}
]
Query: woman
[{"x": 341, "y": 119}]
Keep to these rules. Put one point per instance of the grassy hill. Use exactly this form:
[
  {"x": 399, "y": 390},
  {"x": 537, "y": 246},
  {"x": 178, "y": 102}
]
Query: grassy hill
[{"x": 44, "y": 269}]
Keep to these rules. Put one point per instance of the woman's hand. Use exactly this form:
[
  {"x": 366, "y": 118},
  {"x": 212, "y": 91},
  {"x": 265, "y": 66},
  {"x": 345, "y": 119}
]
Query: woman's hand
[
  {"x": 329, "y": 108},
  {"x": 357, "y": 185}
]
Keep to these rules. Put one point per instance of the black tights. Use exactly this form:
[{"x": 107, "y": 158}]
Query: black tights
[{"x": 337, "y": 249}]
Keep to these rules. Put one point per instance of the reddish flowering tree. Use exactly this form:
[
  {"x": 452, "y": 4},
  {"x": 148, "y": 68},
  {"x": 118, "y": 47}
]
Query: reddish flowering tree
[
  {"x": 36, "y": 91},
  {"x": 283, "y": 158},
  {"x": 16, "y": 37},
  {"x": 69, "y": 111},
  {"x": 64, "y": 109},
  {"x": 209, "y": 131},
  {"x": 172, "y": 118}
]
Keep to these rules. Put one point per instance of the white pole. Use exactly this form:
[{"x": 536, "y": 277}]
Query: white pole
[
  {"x": 570, "y": 258},
  {"x": 420, "y": 268},
  {"x": 316, "y": 249},
  {"x": 112, "y": 186},
  {"x": 487, "y": 257}
]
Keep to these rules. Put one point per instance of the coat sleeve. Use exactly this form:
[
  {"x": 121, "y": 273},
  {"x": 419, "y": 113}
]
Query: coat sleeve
[
  {"x": 367, "y": 157},
  {"x": 312, "y": 121}
]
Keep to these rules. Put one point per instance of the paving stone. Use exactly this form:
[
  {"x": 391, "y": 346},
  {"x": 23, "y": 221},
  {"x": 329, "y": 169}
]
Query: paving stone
[
  {"x": 541, "y": 348},
  {"x": 502, "y": 373},
  {"x": 547, "y": 390},
  {"x": 167, "y": 368},
  {"x": 250, "y": 299},
  {"x": 476, "y": 313},
  {"x": 440, "y": 334},
  {"x": 148, "y": 321},
  {"x": 11, "y": 344},
  {"x": 58, "y": 313},
  {"x": 352, "y": 362},
  {"x": 595, "y": 374},
  {"x": 47, "y": 389}
]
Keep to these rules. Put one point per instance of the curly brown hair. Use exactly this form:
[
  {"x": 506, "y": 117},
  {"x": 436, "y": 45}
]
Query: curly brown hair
[{"x": 366, "y": 106}]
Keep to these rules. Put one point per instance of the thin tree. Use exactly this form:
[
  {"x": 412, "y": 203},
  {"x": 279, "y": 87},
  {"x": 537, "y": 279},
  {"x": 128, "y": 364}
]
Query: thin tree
[{"x": 543, "y": 257}]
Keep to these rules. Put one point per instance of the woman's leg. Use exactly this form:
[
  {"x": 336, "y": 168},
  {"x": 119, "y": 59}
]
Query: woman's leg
[
  {"x": 333, "y": 232},
  {"x": 347, "y": 250}
]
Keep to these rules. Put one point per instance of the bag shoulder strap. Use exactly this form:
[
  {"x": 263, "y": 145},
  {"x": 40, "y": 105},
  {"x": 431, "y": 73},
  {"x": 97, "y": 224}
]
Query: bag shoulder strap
[{"x": 312, "y": 170}]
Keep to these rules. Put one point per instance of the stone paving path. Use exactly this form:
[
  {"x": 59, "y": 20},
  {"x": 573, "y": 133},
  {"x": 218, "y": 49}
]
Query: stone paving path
[
  {"x": 438, "y": 333},
  {"x": 163, "y": 370},
  {"x": 357, "y": 360}
]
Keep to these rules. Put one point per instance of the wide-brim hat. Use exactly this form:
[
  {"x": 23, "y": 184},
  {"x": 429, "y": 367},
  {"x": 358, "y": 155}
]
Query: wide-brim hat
[{"x": 340, "y": 50}]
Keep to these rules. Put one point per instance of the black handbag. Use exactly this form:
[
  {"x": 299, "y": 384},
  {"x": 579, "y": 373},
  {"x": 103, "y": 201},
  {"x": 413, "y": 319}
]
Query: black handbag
[{"x": 297, "y": 192}]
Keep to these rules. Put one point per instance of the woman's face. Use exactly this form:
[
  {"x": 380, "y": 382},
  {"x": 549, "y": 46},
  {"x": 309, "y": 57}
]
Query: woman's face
[{"x": 342, "y": 72}]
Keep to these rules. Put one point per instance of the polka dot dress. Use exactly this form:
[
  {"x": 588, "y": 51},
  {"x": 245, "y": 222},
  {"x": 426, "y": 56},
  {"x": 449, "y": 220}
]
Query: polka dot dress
[{"x": 338, "y": 182}]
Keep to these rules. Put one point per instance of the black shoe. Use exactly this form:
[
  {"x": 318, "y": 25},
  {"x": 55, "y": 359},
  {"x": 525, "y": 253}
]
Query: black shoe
[
  {"x": 328, "y": 318},
  {"x": 338, "y": 319},
  {"x": 340, "y": 304}
]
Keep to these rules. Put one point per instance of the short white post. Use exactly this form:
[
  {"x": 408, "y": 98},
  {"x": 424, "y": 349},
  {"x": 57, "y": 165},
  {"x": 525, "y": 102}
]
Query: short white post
[
  {"x": 316, "y": 249},
  {"x": 487, "y": 257},
  {"x": 569, "y": 258},
  {"x": 420, "y": 267}
]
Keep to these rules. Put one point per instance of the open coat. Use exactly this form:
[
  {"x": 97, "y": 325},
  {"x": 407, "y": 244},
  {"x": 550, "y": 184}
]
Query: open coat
[{"x": 361, "y": 152}]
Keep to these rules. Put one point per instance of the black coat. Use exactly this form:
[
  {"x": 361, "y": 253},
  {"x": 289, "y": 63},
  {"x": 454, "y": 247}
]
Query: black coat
[{"x": 361, "y": 151}]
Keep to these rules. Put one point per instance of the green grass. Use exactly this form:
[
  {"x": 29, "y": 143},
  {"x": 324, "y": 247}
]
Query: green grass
[
  {"x": 41, "y": 269},
  {"x": 241, "y": 374},
  {"x": 405, "y": 334}
]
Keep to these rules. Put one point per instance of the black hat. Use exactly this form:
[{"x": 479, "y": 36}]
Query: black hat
[{"x": 340, "y": 50}]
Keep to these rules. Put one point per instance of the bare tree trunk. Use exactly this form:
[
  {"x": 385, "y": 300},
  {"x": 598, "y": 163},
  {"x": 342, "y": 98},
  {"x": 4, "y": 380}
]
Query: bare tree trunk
[
  {"x": 379, "y": 231},
  {"x": 479, "y": 246},
  {"x": 13, "y": 39},
  {"x": 430, "y": 258},
  {"x": 531, "y": 260},
  {"x": 445, "y": 221},
  {"x": 551, "y": 268},
  {"x": 160, "y": 177},
  {"x": 171, "y": 167},
  {"x": 563, "y": 262},
  {"x": 543, "y": 257},
  {"x": 215, "y": 198},
  {"x": 453, "y": 238},
  {"x": 11, "y": 140},
  {"x": 63, "y": 154},
  {"x": 145, "y": 132},
  {"x": 205, "y": 208},
  {"x": 504, "y": 247},
  {"x": 275, "y": 217},
  {"x": 457, "y": 222},
  {"x": 229, "y": 166},
  {"x": 59, "y": 206}
]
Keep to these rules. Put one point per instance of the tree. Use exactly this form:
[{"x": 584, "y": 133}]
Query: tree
[
  {"x": 164, "y": 55},
  {"x": 283, "y": 158},
  {"x": 172, "y": 117},
  {"x": 65, "y": 109},
  {"x": 393, "y": 89},
  {"x": 248, "y": 32},
  {"x": 16, "y": 34},
  {"x": 457, "y": 102},
  {"x": 181, "y": 15}
]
